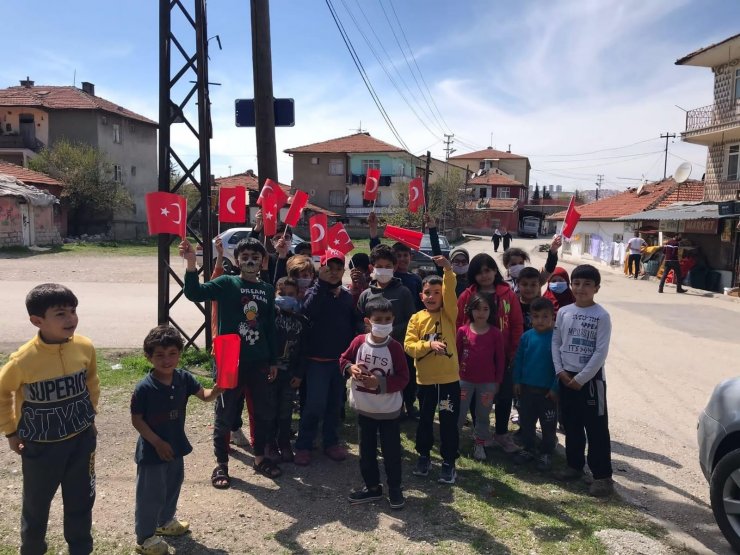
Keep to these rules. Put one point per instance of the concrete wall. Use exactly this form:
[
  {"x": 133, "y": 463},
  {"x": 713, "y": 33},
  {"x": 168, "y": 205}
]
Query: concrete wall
[
  {"x": 315, "y": 178},
  {"x": 576, "y": 248},
  {"x": 512, "y": 166},
  {"x": 11, "y": 233},
  {"x": 75, "y": 125},
  {"x": 43, "y": 230},
  {"x": 11, "y": 116},
  {"x": 483, "y": 222}
]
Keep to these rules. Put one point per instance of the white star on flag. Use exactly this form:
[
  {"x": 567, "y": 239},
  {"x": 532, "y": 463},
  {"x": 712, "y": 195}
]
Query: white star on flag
[
  {"x": 336, "y": 241},
  {"x": 268, "y": 215},
  {"x": 165, "y": 212}
]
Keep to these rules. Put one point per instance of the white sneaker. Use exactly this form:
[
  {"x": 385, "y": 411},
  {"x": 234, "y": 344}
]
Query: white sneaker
[
  {"x": 153, "y": 546},
  {"x": 239, "y": 439},
  {"x": 479, "y": 452}
]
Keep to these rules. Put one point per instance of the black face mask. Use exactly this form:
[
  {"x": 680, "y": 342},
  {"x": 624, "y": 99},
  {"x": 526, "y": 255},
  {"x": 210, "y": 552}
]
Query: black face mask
[{"x": 332, "y": 285}]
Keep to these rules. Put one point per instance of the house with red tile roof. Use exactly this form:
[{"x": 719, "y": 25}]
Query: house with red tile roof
[
  {"x": 333, "y": 173},
  {"x": 506, "y": 162},
  {"x": 35, "y": 116},
  {"x": 28, "y": 215}
]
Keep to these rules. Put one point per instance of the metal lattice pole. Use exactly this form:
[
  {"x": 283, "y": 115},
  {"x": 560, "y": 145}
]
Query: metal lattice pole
[{"x": 172, "y": 111}]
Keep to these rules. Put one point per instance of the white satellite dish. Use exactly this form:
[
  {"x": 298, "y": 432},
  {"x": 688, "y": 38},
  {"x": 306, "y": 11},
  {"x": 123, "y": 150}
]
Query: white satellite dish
[{"x": 682, "y": 172}]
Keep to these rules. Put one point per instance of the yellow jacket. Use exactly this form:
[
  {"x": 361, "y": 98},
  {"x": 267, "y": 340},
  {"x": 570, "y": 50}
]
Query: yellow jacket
[
  {"x": 425, "y": 327},
  {"x": 49, "y": 392}
]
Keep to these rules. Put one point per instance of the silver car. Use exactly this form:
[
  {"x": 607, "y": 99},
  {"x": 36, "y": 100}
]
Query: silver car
[{"x": 718, "y": 434}]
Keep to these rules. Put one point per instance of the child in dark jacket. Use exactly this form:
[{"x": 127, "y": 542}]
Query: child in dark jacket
[{"x": 379, "y": 373}]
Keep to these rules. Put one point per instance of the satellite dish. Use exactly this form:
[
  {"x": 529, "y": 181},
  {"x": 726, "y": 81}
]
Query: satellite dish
[
  {"x": 682, "y": 172},
  {"x": 640, "y": 189}
]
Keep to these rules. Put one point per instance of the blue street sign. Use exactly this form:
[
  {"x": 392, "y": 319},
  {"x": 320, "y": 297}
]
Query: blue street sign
[{"x": 284, "y": 112}]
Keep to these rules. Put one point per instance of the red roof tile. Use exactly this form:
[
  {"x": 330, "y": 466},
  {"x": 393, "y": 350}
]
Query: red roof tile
[
  {"x": 485, "y": 154},
  {"x": 625, "y": 203},
  {"x": 250, "y": 181},
  {"x": 690, "y": 191},
  {"x": 29, "y": 177},
  {"x": 500, "y": 204},
  {"x": 63, "y": 98},
  {"x": 493, "y": 178},
  {"x": 359, "y": 142}
]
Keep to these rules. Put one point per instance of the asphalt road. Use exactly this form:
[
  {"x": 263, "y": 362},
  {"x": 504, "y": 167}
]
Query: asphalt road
[{"x": 667, "y": 353}]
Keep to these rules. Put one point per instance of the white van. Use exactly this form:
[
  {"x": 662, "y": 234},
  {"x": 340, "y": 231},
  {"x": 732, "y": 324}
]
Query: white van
[{"x": 529, "y": 227}]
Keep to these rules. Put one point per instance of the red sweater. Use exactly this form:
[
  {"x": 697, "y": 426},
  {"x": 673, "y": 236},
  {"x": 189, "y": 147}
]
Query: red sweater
[
  {"x": 511, "y": 321},
  {"x": 482, "y": 357}
]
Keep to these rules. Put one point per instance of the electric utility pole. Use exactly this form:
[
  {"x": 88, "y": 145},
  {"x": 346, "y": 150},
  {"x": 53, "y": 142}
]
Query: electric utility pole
[
  {"x": 665, "y": 164},
  {"x": 448, "y": 150},
  {"x": 599, "y": 181}
]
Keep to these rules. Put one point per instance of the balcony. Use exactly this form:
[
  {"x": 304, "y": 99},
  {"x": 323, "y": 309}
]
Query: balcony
[
  {"x": 714, "y": 123},
  {"x": 359, "y": 179}
]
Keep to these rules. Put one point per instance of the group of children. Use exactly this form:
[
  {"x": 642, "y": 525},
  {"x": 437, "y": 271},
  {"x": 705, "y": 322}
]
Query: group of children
[{"x": 464, "y": 339}]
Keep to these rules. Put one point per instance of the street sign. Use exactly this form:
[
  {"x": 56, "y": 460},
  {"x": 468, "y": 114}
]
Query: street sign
[{"x": 284, "y": 112}]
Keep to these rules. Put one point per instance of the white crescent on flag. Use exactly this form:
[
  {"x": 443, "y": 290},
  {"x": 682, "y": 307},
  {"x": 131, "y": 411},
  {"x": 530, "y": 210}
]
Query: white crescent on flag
[
  {"x": 230, "y": 205},
  {"x": 179, "y": 213},
  {"x": 345, "y": 234},
  {"x": 415, "y": 194},
  {"x": 322, "y": 231},
  {"x": 374, "y": 186}
]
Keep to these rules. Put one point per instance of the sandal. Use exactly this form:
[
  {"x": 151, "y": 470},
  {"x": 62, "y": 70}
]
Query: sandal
[
  {"x": 220, "y": 477},
  {"x": 267, "y": 468}
]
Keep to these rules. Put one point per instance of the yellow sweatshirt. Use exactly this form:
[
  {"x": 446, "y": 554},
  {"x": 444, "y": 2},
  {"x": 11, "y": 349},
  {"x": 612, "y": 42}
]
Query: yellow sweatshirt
[
  {"x": 425, "y": 327},
  {"x": 49, "y": 392}
]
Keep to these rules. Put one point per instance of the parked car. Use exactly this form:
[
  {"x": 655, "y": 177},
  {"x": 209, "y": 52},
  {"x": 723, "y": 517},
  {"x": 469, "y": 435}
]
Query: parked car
[
  {"x": 422, "y": 263},
  {"x": 529, "y": 227},
  {"x": 718, "y": 433},
  {"x": 230, "y": 239}
]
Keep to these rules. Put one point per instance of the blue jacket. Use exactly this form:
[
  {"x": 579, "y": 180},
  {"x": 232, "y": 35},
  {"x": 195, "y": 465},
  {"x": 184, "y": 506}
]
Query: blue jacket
[
  {"x": 533, "y": 364},
  {"x": 333, "y": 321}
]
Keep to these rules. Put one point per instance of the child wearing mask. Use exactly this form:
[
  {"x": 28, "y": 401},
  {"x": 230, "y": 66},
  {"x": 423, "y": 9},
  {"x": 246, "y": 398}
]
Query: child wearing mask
[
  {"x": 558, "y": 290},
  {"x": 515, "y": 259},
  {"x": 300, "y": 269},
  {"x": 460, "y": 259}
]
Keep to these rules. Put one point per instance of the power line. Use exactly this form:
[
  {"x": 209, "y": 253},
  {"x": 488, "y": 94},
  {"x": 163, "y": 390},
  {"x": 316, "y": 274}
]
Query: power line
[
  {"x": 635, "y": 157},
  {"x": 686, "y": 160},
  {"x": 593, "y": 151},
  {"x": 363, "y": 73},
  {"x": 666, "y": 137},
  {"x": 594, "y": 159}
]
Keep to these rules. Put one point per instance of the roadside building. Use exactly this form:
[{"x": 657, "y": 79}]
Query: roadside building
[{"x": 26, "y": 214}]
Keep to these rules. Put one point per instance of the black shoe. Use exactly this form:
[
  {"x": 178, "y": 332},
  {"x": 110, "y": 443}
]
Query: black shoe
[
  {"x": 395, "y": 498},
  {"x": 681, "y": 291},
  {"x": 447, "y": 473},
  {"x": 365, "y": 495},
  {"x": 422, "y": 466},
  {"x": 412, "y": 413},
  {"x": 660, "y": 290},
  {"x": 523, "y": 457}
]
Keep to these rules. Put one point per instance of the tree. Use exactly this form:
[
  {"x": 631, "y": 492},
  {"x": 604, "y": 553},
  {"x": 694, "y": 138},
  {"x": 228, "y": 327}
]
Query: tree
[
  {"x": 536, "y": 195},
  {"x": 90, "y": 188},
  {"x": 546, "y": 194}
]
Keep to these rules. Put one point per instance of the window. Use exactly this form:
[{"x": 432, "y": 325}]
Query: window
[
  {"x": 481, "y": 165},
  {"x": 116, "y": 133},
  {"x": 117, "y": 173},
  {"x": 370, "y": 165},
  {"x": 737, "y": 85},
  {"x": 315, "y": 161},
  {"x": 482, "y": 192},
  {"x": 586, "y": 242},
  {"x": 133, "y": 171},
  {"x": 104, "y": 120},
  {"x": 733, "y": 162},
  {"x": 132, "y": 127},
  {"x": 336, "y": 166},
  {"x": 503, "y": 192},
  {"x": 336, "y": 198}
]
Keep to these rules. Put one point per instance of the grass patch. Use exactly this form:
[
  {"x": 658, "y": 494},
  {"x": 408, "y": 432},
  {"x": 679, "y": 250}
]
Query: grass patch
[{"x": 143, "y": 247}]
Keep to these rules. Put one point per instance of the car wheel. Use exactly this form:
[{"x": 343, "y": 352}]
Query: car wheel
[{"x": 724, "y": 493}]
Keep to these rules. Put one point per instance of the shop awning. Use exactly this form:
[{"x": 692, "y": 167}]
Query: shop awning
[{"x": 677, "y": 212}]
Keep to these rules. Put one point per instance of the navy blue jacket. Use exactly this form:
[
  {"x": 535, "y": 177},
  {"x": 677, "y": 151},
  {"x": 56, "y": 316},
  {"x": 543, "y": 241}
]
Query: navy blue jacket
[{"x": 333, "y": 321}]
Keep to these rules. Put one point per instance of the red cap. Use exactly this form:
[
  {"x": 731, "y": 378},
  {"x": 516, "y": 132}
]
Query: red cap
[{"x": 332, "y": 254}]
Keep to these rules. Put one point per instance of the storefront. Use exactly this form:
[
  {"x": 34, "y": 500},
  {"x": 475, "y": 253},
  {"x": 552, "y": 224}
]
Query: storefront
[{"x": 729, "y": 232}]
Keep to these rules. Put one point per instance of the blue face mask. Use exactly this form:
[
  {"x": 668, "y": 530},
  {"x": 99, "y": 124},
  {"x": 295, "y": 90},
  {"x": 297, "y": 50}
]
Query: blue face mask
[
  {"x": 558, "y": 287},
  {"x": 287, "y": 304}
]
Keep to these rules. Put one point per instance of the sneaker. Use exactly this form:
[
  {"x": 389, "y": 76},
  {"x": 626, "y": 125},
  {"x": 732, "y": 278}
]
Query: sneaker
[
  {"x": 447, "y": 473},
  {"x": 302, "y": 457},
  {"x": 506, "y": 443},
  {"x": 239, "y": 439},
  {"x": 336, "y": 453},
  {"x": 173, "y": 528},
  {"x": 569, "y": 474},
  {"x": 422, "y": 466},
  {"x": 545, "y": 463},
  {"x": 479, "y": 452},
  {"x": 395, "y": 498},
  {"x": 603, "y": 487},
  {"x": 153, "y": 546},
  {"x": 365, "y": 495},
  {"x": 523, "y": 457}
]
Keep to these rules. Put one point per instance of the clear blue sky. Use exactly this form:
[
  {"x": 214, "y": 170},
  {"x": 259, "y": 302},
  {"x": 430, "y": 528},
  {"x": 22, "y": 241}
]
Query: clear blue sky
[{"x": 549, "y": 78}]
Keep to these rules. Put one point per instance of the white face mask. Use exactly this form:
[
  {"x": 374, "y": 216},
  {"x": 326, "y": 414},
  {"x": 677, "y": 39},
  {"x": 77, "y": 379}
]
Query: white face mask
[
  {"x": 515, "y": 269},
  {"x": 383, "y": 275},
  {"x": 459, "y": 270},
  {"x": 381, "y": 330}
]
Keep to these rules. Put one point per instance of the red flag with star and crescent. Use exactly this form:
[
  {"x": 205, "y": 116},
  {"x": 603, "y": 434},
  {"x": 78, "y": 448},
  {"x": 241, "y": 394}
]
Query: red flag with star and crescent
[
  {"x": 416, "y": 194},
  {"x": 339, "y": 238},
  {"x": 166, "y": 213},
  {"x": 300, "y": 199},
  {"x": 318, "y": 225},
  {"x": 270, "y": 188},
  {"x": 372, "y": 181},
  {"x": 270, "y": 214},
  {"x": 232, "y": 204},
  {"x": 571, "y": 218}
]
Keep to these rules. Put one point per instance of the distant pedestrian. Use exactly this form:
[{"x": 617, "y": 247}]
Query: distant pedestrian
[
  {"x": 507, "y": 238},
  {"x": 635, "y": 246},
  {"x": 671, "y": 262},
  {"x": 496, "y": 239}
]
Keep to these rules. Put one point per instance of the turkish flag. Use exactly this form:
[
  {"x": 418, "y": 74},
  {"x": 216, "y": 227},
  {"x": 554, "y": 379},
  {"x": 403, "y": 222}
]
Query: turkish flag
[
  {"x": 318, "y": 225},
  {"x": 270, "y": 188},
  {"x": 410, "y": 238},
  {"x": 232, "y": 204},
  {"x": 270, "y": 214},
  {"x": 416, "y": 194},
  {"x": 372, "y": 180},
  {"x": 571, "y": 218},
  {"x": 226, "y": 350},
  {"x": 300, "y": 199},
  {"x": 166, "y": 213},
  {"x": 339, "y": 238}
]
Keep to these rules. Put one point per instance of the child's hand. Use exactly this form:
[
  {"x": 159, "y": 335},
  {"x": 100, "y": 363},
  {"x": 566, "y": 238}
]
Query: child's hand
[
  {"x": 439, "y": 347},
  {"x": 517, "y": 389},
  {"x": 372, "y": 224},
  {"x": 187, "y": 251},
  {"x": 370, "y": 381},
  {"x": 295, "y": 383},
  {"x": 219, "y": 244},
  {"x": 16, "y": 444},
  {"x": 564, "y": 378},
  {"x": 216, "y": 391},
  {"x": 358, "y": 371},
  {"x": 573, "y": 384},
  {"x": 272, "y": 373},
  {"x": 442, "y": 262},
  {"x": 429, "y": 220},
  {"x": 282, "y": 247},
  {"x": 164, "y": 450},
  {"x": 557, "y": 242},
  {"x": 552, "y": 396},
  {"x": 258, "y": 221}
]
